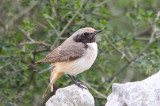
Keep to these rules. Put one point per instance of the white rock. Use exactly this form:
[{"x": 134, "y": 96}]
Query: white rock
[
  {"x": 140, "y": 93},
  {"x": 71, "y": 96}
]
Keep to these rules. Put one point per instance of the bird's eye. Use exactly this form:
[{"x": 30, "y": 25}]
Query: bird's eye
[{"x": 86, "y": 33}]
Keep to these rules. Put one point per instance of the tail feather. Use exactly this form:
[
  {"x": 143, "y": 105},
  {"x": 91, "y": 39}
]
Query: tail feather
[
  {"x": 54, "y": 77},
  {"x": 52, "y": 73}
]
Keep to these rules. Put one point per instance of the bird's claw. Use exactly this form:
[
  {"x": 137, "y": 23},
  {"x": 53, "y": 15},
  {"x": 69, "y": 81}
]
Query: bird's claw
[{"x": 81, "y": 85}]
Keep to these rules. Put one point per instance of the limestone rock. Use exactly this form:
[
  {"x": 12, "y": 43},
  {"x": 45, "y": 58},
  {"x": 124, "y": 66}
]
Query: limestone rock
[
  {"x": 71, "y": 96},
  {"x": 140, "y": 93}
]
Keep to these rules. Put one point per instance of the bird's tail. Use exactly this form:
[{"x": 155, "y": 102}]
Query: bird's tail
[
  {"x": 52, "y": 74},
  {"x": 53, "y": 78}
]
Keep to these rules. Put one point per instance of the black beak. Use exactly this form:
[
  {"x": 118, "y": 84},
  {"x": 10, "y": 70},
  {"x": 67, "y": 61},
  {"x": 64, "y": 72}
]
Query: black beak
[{"x": 95, "y": 32}]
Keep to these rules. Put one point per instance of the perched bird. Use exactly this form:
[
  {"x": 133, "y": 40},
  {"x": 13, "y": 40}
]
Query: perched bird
[{"x": 75, "y": 55}]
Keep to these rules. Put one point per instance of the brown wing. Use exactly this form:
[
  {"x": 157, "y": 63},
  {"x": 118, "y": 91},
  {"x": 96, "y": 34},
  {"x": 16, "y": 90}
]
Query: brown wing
[{"x": 65, "y": 53}]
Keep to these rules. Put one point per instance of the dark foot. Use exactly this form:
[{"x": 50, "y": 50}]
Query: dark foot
[{"x": 81, "y": 85}]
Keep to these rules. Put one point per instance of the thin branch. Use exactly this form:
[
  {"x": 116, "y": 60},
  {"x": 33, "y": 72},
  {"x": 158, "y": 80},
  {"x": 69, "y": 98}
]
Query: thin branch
[
  {"x": 130, "y": 62},
  {"x": 54, "y": 28},
  {"x": 102, "y": 3},
  {"x": 32, "y": 40},
  {"x": 65, "y": 15},
  {"x": 103, "y": 73},
  {"x": 45, "y": 70},
  {"x": 42, "y": 25},
  {"x": 26, "y": 35},
  {"x": 17, "y": 71},
  {"x": 97, "y": 92},
  {"x": 97, "y": 97},
  {"x": 129, "y": 52},
  {"x": 40, "y": 51},
  {"x": 63, "y": 38},
  {"x": 123, "y": 54},
  {"x": 4, "y": 56},
  {"x": 5, "y": 65},
  {"x": 144, "y": 32},
  {"x": 110, "y": 84},
  {"x": 36, "y": 42},
  {"x": 53, "y": 9},
  {"x": 3, "y": 96},
  {"x": 22, "y": 14},
  {"x": 69, "y": 22},
  {"x": 151, "y": 41}
]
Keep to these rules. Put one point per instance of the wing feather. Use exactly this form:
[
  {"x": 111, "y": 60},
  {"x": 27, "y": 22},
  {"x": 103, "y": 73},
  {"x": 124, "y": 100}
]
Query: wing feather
[{"x": 65, "y": 53}]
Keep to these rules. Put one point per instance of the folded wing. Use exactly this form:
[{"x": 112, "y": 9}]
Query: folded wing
[{"x": 65, "y": 53}]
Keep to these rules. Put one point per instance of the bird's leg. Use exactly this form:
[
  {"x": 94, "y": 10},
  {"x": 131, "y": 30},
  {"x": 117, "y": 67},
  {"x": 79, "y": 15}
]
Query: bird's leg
[
  {"x": 79, "y": 84},
  {"x": 77, "y": 81},
  {"x": 73, "y": 79}
]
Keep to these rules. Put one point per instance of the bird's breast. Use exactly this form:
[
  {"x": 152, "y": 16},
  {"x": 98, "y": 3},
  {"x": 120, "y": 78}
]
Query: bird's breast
[
  {"x": 90, "y": 54},
  {"x": 81, "y": 64}
]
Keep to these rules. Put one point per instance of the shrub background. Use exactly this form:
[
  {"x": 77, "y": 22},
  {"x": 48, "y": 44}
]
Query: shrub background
[{"x": 129, "y": 47}]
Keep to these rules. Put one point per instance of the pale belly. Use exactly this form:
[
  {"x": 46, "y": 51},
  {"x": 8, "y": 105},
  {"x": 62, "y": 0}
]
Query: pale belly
[{"x": 79, "y": 65}]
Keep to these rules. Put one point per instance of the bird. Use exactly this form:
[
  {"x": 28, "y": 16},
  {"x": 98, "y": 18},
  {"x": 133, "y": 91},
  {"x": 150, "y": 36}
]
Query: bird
[{"x": 74, "y": 56}]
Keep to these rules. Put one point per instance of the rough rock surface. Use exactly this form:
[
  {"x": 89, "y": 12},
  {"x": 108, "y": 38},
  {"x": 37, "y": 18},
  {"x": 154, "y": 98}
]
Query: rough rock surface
[
  {"x": 71, "y": 96},
  {"x": 140, "y": 93}
]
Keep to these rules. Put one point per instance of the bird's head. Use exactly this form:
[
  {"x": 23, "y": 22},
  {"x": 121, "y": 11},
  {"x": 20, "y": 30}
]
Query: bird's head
[{"x": 85, "y": 35}]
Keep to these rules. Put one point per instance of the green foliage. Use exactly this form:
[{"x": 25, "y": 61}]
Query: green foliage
[{"x": 22, "y": 23}]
